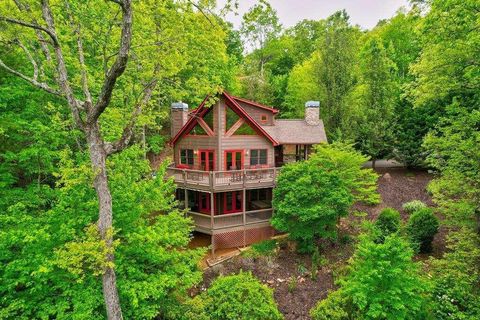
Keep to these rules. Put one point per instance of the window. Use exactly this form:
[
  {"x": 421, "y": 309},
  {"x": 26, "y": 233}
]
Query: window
[
  {"x": 186, "y": 156},
  {"x": 263, "y": 118},
  {"x": 208, "y": 118},
  {"x": 258, "y": 156},
  {"x": 245, "y": 130},
  {"x": 230, "y": 118}
]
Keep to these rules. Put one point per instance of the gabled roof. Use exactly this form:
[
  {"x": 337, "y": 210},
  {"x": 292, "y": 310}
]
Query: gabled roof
[
  {"x": 287, "y": 131},
  {"x": 255, "y": 104},
  {"x": 233, "y": 104}
]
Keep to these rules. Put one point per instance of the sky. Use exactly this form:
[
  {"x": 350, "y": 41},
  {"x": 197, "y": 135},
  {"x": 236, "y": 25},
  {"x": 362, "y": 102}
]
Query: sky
[{"x": 365, "y": 13}]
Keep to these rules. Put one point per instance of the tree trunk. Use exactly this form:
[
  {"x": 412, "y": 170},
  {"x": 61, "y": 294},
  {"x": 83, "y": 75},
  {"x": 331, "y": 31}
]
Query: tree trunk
[
  {"x": 373, "y": 163},
  {"x": 98, "y": 158}
]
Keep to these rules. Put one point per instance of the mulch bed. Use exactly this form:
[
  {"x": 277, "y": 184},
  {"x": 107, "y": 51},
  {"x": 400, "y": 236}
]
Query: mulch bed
[{"x": 296, "y": 297}]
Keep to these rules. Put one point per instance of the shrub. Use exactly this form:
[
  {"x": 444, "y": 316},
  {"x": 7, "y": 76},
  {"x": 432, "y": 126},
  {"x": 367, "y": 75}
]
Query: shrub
[
  {"x": 334, "y": 307},
  {"x": 240, "y": 296},
  {"x": 413, "y": 206},
  {"x": 456, "y": 278},
  {"x": 422, "y": 227},
  {"x": 388, "y": 222}
]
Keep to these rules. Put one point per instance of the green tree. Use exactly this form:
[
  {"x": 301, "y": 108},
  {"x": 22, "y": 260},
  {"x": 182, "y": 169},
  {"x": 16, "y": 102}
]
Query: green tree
[
  {"x": 337, "y": 73},
  {"x": 311, "y": 196},
  {"x": 79, "y": 55},
  {"x": 375, "y": 132},
  {"x": 382, "y": 283},
  {"x": 447, "y": 76}
]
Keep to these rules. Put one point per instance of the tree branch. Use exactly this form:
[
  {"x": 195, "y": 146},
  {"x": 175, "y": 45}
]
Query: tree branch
[
  {"x": 118, "y": 66},
  {"x": 122, "y": 143},
  {"x": 32, "y": 26},
  {"x": 37, "y": 84},
  {"x": 30, "y": 57},
  {"x": 41, "y": 39},
  {"x": 61, "y": 68},
  {"x": 81, "y": 58}
]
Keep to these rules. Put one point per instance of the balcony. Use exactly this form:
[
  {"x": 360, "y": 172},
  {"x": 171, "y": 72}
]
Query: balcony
[
  {"x": 219, "y": 223},
  {"x": 218, "y": 181}
]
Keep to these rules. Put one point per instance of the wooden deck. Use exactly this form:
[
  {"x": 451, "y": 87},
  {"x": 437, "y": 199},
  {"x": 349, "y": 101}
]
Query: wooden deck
[
  {"x": 208, "y": 224},
  {"x": 218, "y": 181}
]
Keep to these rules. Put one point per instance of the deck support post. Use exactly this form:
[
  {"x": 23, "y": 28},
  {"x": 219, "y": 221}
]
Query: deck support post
[
  {"x": 186, "y": 197},
  {"x": 212, "y": 207},
  {"x": 244, "y": 202}
]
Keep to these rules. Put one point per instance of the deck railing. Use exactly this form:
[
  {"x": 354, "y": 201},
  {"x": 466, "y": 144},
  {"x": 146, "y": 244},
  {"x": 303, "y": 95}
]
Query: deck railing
[
  {"x": 222, "y": 221},
  {"x": 244, "y": 177}
]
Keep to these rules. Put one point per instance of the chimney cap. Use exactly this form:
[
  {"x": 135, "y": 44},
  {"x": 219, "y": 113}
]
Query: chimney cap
[
  {"x": 180, "y": 105},
  {"x": 312, "y": 104}
]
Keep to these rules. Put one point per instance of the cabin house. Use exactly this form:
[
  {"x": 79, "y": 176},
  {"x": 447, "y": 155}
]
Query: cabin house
[{"x": 226, "y": 159}]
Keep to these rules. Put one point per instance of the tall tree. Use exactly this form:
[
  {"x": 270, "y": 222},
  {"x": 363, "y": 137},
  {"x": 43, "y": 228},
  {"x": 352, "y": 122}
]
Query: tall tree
[
  {"x": 447, "y": 76},
  {"x": 378, "y": 90},
  {"x": 80, "y": 55},
  {"x": 337, "y": 73}
]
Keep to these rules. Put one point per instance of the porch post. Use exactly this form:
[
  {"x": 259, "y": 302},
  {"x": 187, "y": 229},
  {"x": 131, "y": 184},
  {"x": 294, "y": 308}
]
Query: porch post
[
  {"x": 186, "y": 197},
  {"x": 244, "y": 207},
  {"x": 212, "y": 207}
]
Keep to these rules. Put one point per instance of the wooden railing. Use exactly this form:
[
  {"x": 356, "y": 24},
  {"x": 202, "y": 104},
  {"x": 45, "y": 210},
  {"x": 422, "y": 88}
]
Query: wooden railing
[
  {"x": 240, "y": 178},
  {"x": 222, "y": 221}
]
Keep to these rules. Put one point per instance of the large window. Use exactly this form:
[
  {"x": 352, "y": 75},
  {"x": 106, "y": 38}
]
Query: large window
[
  {"x": 186, "y": 156},
  {"x": 258, "y": 156}
]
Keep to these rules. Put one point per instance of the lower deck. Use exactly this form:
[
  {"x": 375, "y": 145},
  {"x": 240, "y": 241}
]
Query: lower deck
[{"x": 214, "y": 213}]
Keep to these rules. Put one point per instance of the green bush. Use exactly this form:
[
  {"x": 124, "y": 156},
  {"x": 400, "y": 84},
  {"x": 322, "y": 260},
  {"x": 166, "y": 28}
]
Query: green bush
[
  {"x": 334, "y": 307},
  {"x": 240, "y": 296},
  {"x": 388, "y": 222},
  {"x": 422, "y": 227},
  {"x": 413, "y": 206}
]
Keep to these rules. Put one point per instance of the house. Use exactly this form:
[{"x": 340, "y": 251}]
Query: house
[{"x": 226, "y": 159}]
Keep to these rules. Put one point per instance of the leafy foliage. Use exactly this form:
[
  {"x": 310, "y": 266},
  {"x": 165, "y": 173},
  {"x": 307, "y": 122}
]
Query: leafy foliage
[
  {"x": 240, "y": 296},
  {"x": 311, "y": 196},
  {"x": 422, "y": 226},
  {"x": 388, "y": 222},
  {"x": 414, "y": 205},
  {"x": 383, "y": 283},
  {"x": 456, "y": 278}
]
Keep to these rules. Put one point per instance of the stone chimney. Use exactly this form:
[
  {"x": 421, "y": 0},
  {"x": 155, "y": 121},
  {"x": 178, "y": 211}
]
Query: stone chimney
[
  {"x": 178, "y": 117},
  {"x": 312, "y": 113}
]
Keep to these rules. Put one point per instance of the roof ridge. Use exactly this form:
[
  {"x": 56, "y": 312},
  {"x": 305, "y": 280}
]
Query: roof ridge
[{"x": 255, "y": 104}]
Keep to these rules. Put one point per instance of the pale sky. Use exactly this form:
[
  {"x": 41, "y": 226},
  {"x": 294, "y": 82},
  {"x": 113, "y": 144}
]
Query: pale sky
[{"x": 365, "y": 13}]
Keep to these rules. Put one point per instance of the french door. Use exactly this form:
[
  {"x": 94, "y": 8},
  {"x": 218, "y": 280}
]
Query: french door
[
  {"x": 207, "y": 160},
  {"x": 204, "y": 203},
  {"x": 232, "y": 201},
  {"x": 234, "y": 160}
]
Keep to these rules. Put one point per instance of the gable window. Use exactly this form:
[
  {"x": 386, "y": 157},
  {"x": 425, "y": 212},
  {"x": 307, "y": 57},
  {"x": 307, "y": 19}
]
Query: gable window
[
  {"x": 258, "y": 156},
  {"x": 230, "y": 118},
  {"x": 263, "y": 118},
  {"x": 186, "y": 156}
]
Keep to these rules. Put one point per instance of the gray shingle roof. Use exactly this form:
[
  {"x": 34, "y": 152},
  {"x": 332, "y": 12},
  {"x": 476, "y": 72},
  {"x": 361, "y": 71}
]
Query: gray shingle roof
[{"x": 287, "y": 131}]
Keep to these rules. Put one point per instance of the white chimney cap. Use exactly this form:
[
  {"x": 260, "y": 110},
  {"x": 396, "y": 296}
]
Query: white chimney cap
[
  {"x": 312, "y": 104},
  {"x": 179, "y": 105}
]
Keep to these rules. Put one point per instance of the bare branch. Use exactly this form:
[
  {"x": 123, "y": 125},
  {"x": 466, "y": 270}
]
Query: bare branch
[
  {"x": 122, "y": 143},
  {"x": 118, "y": 66},
  {"x": 201, "y": 11},
  {"x": 61, "y": 68},
  {"x": 81, "y": 57},
  {"x": 30, "y": 57},
  {"x": 32, "y": 26},
  {"x": 33, "y": 81},
  {"x": 40, "y": 37}
]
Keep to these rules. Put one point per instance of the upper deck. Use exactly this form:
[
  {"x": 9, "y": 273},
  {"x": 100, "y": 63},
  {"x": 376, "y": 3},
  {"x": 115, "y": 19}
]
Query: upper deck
[{"x": 219, "y": 181}]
